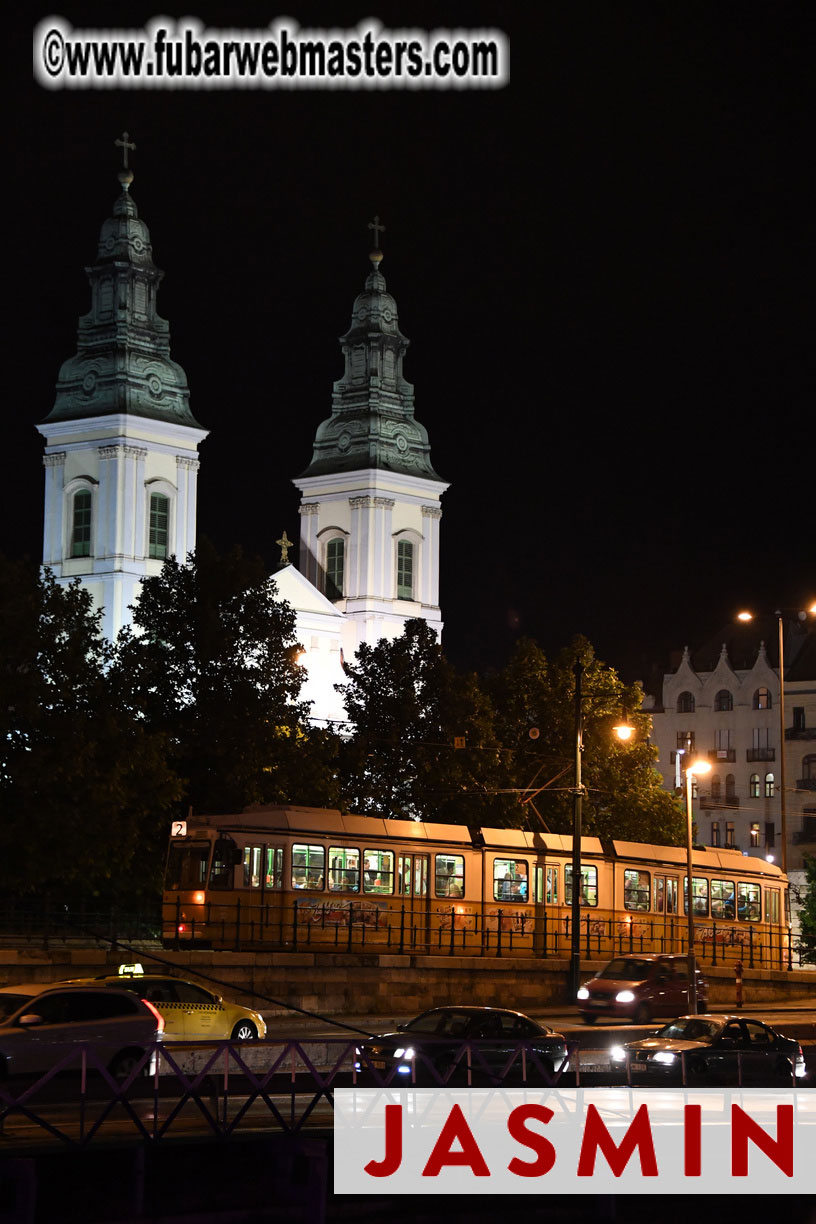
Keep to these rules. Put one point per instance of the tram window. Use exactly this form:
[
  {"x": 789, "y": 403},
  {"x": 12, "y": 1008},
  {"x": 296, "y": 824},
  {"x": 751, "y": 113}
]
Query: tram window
[
  {"x": 378, "y": 871},
  {"x": 274, "y": 867},
  {"x": 552, "y": 885},
  {"x": 344, "y": 869},
  {"x": 450, "y": 875},
  {"x": 636, "y": 888},
  {"x": 589, "y": 885},
  {"x": 308, "y": 865},
  {"x": 252, "y": 866},
  {"x": 699, "y": 888},
  {"x": 748, "y": 903},
  {"x": 509, "y": 880},
  {"x": 187, "y": 865},
  {"x": 665, "y": 894},
  {"x": 722, "y": 899},
  {"x": 225, "y": 855},
  {"x": 772, "y": 905}
]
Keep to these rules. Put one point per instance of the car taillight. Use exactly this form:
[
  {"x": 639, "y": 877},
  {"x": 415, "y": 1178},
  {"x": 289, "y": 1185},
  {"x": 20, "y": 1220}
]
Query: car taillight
[{"x": 157, "y": 1014}]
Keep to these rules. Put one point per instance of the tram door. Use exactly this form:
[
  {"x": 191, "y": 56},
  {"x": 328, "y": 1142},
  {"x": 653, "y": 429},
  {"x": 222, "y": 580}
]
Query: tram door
[
  {"x": 413, "y": 873},
  {"x": 664, "y": 904}
]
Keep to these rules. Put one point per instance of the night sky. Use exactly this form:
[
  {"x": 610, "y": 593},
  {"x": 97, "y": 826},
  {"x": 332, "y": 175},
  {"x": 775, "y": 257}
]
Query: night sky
[{"x": 603, "y": 270}]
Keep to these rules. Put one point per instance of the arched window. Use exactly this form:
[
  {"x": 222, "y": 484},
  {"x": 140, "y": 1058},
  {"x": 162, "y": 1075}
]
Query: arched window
[
  {"x": 730, "y": 786},
  {"x": 715, "y": 786},
  {"x": 405, "y": 569},
  {"x": 81, "y": 524},
  {"x": 753, "y": 786},
  {"x": 335, "y": 568},
  {"x": 809, "y": 767},
  {"x": 158, "y": 526},
  {"x": 762, "y": 699},
  {"x": 685, "y": 703},
  {"x": 723, "y": 701},
  {"x": 769, "y": 786}
]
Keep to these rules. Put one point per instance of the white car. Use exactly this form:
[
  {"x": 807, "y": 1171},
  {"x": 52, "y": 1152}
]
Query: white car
[{"x": 48, "y": 1025}]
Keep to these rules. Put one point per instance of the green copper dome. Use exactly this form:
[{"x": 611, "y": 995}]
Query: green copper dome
[
  {"x": 372, "y": 424},
  {"x": 122, "y": 363}
]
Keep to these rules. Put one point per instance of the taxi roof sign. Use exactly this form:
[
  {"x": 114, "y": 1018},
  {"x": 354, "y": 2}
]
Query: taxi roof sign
[{"x": 131, "y": 970}]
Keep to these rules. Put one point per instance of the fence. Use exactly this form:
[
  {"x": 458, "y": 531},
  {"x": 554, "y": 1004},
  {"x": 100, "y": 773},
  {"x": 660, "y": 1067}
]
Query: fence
[{"x": 349, "y": 926}]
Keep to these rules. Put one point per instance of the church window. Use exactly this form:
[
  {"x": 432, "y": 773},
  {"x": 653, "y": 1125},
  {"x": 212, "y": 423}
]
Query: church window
[
  {"x": 723, "y": 701},
  {"x": 159, "y": 526},
  {"x": 405, "y": 570},
  {"x": 81, "y": 526},
  {"x": 685, "y": 703},
  {"x": 335, "y": 566}
]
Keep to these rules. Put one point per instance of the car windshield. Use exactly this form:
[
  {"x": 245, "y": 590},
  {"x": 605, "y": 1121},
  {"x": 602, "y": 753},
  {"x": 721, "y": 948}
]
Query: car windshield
[
  {"x": 626, "y": 969},
  {"x": 10, "y": 1003},
  {"x": 691, "y": 1028}
]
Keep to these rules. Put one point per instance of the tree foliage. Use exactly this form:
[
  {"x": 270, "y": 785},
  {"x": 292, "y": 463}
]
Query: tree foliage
[
  {"x": 211, "y": 662},
  {"x": 535, "y": 701},
  {"x": 83, "y": 784},
  {"x": 807, "y": 914},
  {"x": 408, "y": 708}
]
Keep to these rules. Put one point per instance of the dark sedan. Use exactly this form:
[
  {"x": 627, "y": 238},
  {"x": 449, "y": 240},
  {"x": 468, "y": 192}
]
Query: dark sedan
[
  {"x": 464, "y": 1045},
  {"x": 714, "y": 1049}
]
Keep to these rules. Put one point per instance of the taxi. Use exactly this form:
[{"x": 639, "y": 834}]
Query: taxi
[{"x": 190, "y": 1012}]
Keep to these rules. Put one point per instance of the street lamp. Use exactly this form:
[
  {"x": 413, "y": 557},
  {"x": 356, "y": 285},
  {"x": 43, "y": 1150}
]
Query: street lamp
[
  {"x": 693, "y": 770},
  {"x": 624, "y": 731},
  {"x": 783, "y": 798}
]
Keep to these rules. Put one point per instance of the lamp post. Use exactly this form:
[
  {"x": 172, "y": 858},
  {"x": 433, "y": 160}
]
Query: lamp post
[
  {"x": 783, "y": 797},
  {"x": 624, "y": 732},
  {"x": 693, "y": 769}
]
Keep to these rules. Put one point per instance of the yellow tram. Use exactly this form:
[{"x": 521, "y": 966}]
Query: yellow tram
[{"x": 297, "y": 878}]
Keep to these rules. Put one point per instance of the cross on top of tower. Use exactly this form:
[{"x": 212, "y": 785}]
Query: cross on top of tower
[
  {"x": 378, "y": 229},
  {"x": 125, "y": 144}
]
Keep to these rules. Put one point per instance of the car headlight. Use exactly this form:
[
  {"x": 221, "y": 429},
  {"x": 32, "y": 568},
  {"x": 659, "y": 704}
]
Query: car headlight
[
  {"x": 583, "y": 993},
  {"x": 663, "y": 1056},
  {"x": 406, "y": 1052},
  {"x": 617, "y": 1054},
  {"x": 624, "y": 996}
]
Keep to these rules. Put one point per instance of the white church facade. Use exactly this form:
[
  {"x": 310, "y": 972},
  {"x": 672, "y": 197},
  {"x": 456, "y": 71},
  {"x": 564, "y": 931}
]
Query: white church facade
[{"x": 121, "y": 460}]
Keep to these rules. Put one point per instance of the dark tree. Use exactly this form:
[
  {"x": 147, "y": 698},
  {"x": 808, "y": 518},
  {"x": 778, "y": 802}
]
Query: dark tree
[
  {"x": 625, "y": 799},
  {"x": 807, "y": 914},
  {"x": 84, "y": 786},
  {"x": 211, "y": 661},
  {"x": 409, "y": 709}
]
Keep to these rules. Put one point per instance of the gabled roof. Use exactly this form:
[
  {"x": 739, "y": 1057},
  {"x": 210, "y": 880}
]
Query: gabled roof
[{"x": 302, "y": 595}]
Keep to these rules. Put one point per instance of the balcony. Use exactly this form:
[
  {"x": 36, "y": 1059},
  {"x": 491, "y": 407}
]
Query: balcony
[
  {"x": 760, "y": 754},
  {"x": 721, "y": 754},
  {"x": 807, "y": 833},
  {"x": 808, "y": 784},
  {"x": 709, "y": 804},
  {"x": 800, "y": 733}
]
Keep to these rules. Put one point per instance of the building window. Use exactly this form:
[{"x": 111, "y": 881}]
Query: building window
[
  {"x": 770, "y": 835},
  {"x": 729, "y": 833},
  {"x": 715, "y": 832},
  {"x": 159, "y": 526},
  {"x": 762, "y": 699},
  {"x": 769, "y": 786},
  {"x": 335, "y": 567},
  {"x": 730, "y": 786},
  {"x": 754, "y": 834},
  {"x": 405, "y": 569},
  {"x": 685, "y": 703},
  {"x": 809, "y": 768},
  {"x": 723, "y": 701},
  {"x": 715, "y": 786},
  {"x": 799, "y": 718},
  {"x": 753, "y": 786},
  {"x": 685, "y": 741},
  {"x": 81, "y": 525}
]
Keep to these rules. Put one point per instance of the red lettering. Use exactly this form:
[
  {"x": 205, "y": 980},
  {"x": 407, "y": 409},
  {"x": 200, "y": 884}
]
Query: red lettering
[
  {"x": 779, "y": 1150},
  {"x": 393, "y": 1145},
  {"x": 456, "y": 1129},
  {"x": 691, "y": 1140},
  {"x": 544, "y": 1150},
  {"x": 638, "y": 1134}
]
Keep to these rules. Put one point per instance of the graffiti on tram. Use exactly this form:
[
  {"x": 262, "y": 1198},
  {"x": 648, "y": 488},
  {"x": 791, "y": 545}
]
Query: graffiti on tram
[{"x": 340, "y": 913}]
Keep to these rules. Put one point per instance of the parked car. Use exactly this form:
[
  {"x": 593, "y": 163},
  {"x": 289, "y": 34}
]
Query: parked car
[
  {"x": 51, "y": 1023},
  {"x": 638, "y": 987},
  {"x": 190, "y": 1012},
  {"x": 433, "y": 1045},
  {"x": 716, "y": 1049}
]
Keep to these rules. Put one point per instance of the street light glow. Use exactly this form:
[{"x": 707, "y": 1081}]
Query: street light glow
[
  {"x": 745, "y": 616},
  {"x": 699, "y": 767},
  {"x": 624, "y": 731}
]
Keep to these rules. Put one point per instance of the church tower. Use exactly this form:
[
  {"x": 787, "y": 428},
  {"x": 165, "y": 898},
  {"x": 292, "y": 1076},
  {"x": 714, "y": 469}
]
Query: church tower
[
  {"x": 370, "y": 499},
  {"x": 121, "y": 444}
]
